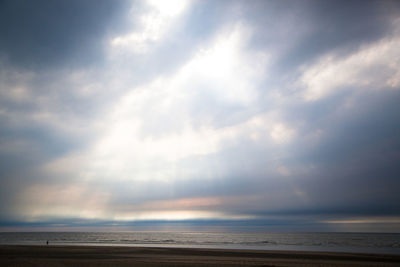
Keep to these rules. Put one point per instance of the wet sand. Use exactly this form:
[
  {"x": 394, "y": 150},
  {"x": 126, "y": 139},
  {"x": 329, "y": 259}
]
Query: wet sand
[{"x": 140, "y": 256}]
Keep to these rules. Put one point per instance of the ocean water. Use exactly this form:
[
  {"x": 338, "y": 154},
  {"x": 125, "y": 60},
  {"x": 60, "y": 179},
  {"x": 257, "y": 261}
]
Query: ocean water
[{"x": 339, "y": 242}]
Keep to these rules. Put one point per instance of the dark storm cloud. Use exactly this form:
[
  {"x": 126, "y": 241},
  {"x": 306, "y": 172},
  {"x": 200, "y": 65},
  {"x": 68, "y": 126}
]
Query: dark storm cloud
[
  {"x": 342, "y": 26},
  {"x": 38, "y": 40},
  {"x": 45, "y": 34},
  {"x": 301, "y": 31},
  {"x": 358, "y": 159},
  {"x": 353, "y": 167}
]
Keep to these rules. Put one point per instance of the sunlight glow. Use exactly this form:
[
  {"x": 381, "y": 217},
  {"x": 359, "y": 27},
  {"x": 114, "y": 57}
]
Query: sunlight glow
[
  {"x": 154, "y": 25},
  {"x": 178, "y": 215},
  {"x": 224, "y": 70},
  {"x": 169, "y": 8},
  {"x": 137, "y": 134}
]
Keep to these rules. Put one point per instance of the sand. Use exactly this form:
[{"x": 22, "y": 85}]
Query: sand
[{"x": 140, "y": 256}]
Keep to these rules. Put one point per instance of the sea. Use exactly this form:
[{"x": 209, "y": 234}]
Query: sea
[{"x": 385, "y": 243}]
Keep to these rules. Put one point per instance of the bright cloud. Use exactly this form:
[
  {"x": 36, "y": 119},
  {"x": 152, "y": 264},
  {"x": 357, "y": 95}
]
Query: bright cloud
[
  {"x": 153, "y": 26},
  {"x": 138, "y": 128},
  {"x": 281, "y": 133},
  {"x": 370, "y": 67}
]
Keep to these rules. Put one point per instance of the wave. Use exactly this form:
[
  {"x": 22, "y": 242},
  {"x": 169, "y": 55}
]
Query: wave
[{"x": 251, "y": 240}]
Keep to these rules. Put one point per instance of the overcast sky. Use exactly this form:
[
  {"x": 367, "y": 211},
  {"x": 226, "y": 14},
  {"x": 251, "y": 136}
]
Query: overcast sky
[{"x": 276, "y": 114}]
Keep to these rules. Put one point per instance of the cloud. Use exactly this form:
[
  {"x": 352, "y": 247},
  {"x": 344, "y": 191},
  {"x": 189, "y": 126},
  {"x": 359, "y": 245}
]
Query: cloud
[
  {"x": 56, "y": 34},
  {"x": 367, "y": 69},
  {"x": 154, "y": 24},
  {"x": 267, "y": 111},
  {"x": 281, "y": 134}
]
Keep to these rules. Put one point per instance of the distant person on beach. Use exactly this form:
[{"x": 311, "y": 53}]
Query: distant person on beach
[{"x": 47, "y": 242}]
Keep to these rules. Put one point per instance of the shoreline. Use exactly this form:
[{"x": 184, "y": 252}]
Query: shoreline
[
  {"x": 37, "y": 255},
  {"x": 311, "y": 249}
]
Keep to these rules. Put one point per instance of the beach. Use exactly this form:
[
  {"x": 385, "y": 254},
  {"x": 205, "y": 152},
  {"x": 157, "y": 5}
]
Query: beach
[{"x": 23, "y": 255}]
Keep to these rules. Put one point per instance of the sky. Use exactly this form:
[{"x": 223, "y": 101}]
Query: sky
[{"x": 273, "y": 115}]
